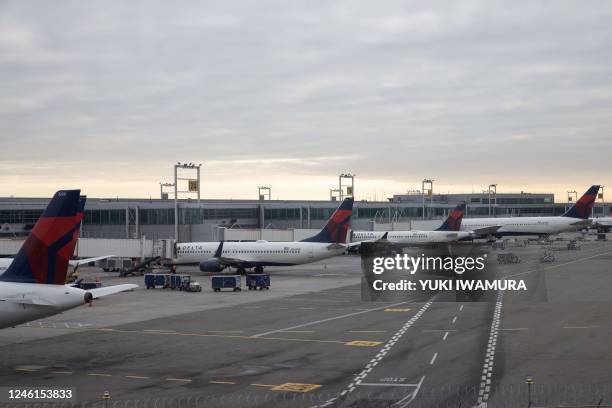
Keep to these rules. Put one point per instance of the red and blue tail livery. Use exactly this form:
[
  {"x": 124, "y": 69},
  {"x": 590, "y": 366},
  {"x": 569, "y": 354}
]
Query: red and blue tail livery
[
  {"x": 336, "y": 229},
  {"x": 583, "y": 207},
  {"x": 453, "y": 221},
  {"x": 43, "y": 258}
]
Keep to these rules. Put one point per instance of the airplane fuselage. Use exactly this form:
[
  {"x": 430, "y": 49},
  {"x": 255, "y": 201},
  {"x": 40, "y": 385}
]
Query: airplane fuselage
[
  {"x": 411, "y": 237},
  {"x": 259, "y": 253},
  {"x": 24, "y": 302},
  {"x": 516, "y": 226}
]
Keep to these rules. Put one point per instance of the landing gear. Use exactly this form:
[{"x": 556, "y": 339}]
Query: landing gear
[{"x": 259, "y": 269}]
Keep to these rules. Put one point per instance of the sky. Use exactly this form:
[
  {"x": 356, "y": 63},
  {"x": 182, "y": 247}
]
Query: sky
[{"x": 108, "y": 95}]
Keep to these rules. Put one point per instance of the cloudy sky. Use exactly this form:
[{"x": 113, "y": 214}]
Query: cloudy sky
[{"x": 107, "y": 95}]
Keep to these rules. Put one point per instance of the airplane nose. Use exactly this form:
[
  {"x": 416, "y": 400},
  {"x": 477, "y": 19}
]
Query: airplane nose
[{"x": 88, "y": 297}]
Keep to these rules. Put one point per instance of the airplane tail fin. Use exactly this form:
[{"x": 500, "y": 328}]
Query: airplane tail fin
[
  {"x": 453, "y": 221},
  {"x": 583, "y": 207},
  {"x": 43, "y": 257},
  {"x": 336, "y": 229}
]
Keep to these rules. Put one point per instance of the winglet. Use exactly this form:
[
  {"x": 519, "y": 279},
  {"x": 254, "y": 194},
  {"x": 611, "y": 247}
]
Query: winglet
[{"x": 219, "y": 250}]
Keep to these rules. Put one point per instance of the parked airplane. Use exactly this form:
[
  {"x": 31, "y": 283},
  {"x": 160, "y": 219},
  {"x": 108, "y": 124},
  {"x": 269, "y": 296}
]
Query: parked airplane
[
  {"x": 6, "y": 262},
  {"x": 601, "y": 224},
  {"x": 448, "y": 232},
  {"x": 577, "y": 217},
  {"x": 216, "y": 256},
  {"x": 33, "y": 286}
]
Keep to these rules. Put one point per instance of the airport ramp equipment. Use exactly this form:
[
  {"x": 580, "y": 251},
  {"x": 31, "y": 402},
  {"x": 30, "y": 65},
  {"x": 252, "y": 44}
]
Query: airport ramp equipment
[
  {"x": 139, "y": 266},
  {"x": 219, "y": 282},
  {"x": 259, "y": 281},
  {"x": 508, "y": 258},
  {"x": 573, "y": 245},
  {"x": 548, "y": 256}
]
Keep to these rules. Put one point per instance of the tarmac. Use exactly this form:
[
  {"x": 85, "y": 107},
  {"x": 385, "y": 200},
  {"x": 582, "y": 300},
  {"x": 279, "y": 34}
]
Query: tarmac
[{"x": 310, "y": 341}]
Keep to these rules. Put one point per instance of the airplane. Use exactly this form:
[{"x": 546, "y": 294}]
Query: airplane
[
  {"x": 447, "y": 232},
  {"x": 217, "y": 256},
  {"x": 33, "y": 286},
  {"x": 601, "y": 224},
  {"x": 575, "y": 218},
  {"x": 75, "y": 263}
]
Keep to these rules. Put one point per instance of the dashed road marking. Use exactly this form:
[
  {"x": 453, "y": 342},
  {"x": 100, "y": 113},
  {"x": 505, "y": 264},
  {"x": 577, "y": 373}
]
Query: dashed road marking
[
  {"x": 221, "y": 382},
  {"x": 179, "y": 379},
  {"x": 516, "y": 329},
  {"x": 99, "y": 375},
  {"x": 487, "y": 370},
  {"x": 137, "y": 377},
  {"x": 367, "y": 331},
  {"x": 445, "y": 336},
  {"x": 27, "y": 369},
  {"x": 433, "y": 359},
  {"x": 397, "y": 309},
  {"x": 580, "y": 327},
  {"x": 454, "y": 320},
  {"x": 264, "y": 385},
  {"x": 461, "y": 308}
]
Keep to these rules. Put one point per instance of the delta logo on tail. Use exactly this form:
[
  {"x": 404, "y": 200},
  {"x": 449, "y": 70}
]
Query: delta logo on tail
[
  {"x": 583, "y": 207},
  {"x": 336, "y": 229},
  {"x": 453, "y": 221},
  {"x": 44, "y": 256}
]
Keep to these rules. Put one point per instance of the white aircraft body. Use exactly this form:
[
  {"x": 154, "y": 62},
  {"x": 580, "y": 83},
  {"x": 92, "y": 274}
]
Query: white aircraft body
[
  {"x": 577, "y": 217},
  {"x": 216, "y": 256},
  {"x": 33, "y": 286}
]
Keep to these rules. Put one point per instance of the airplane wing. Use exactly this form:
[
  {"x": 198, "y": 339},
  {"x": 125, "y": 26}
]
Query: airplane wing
[
  {"x": 486, "y": 230},
  {"x": 77, "y": 262},
  {"x": 109, "y": 290}
]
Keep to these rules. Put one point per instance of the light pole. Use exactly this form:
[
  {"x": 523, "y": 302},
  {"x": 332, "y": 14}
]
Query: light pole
[
  {"x": 572, "y": 197},
  {"x": 337, "y": 192},
  {"x": 529, "y": 381},
  {"x": 429, "y": 182},
  {"x": 193, "y": 186},
  {"x": 492, "y": 189},
  {"x": 350, "y": 188},
  {"x": 263, "y": 191}
]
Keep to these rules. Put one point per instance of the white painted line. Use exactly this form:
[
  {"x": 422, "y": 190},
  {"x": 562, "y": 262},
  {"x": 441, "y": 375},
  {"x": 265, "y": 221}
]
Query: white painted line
[
  {"x": 404, "y": 402},
  {"x": 387, "y": 385},
  {"x": 461, "y": 308},
  {"x": 485, "y": 383},
  {"x": 559, "y": 265},
  {"x": 580, "y": 327},
  {"x": 327, "y": 320},
  {"x": 516, "y": 329},
  {"x": 445, "y": 336},
  {"x": 454, "y": 320},
  {"x": 433, "y": 359}
]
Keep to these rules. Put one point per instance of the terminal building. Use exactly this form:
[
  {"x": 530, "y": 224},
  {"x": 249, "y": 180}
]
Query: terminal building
[{"x": 202, "y": 221}]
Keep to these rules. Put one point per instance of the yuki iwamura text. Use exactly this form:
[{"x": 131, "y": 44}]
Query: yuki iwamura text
[{"x": 411, "y": 264}]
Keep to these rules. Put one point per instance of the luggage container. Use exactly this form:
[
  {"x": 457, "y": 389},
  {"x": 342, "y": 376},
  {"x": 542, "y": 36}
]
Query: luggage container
[
  {"x": 259, "y": 281},
  {"x": 153, "y": 280},
  {"x": 219, "y": 282}
]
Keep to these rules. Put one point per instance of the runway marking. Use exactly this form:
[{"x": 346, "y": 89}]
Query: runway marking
[
  {"x": 367, "y": 331},
  {"x": 397, "y": 310},
  {"x": 516, "y": 329},
  {"x": 179, "y": 379},
  {"x": 561, "y": 264},
  {"x": 61, "y": 372},
  {"x": 378, "y": 357},
  {"x": 445, "y": 336},
  {"x": 387, "y": 385},
  {"x": 461, "y": 308},
  {"x": 296, "y": 387},
  {"x": 220, "y": 382},
  {"x": 137, "y": 377},
  {"x": 27, "y": 369},
  {"x": 159, "y": 331},
  {"x": 580, "y": 327},
  {"x": 299, "y": 331},
  {"x": 99, "y": 375},
  {"x": 224, "y": 331},
  {"x": 264, "y": 385},
  {"x": 404, "y": 402},
  {"x": 433, "y": 359},
  {"x": 328, "y": 319},
  {"x": 363, "y": 343},
  {"x": 307, "y": 308},
  {"x": 227, "y": 336},
  {"x": 454, "y": 320},
  {"x": 487, "y": 369}
]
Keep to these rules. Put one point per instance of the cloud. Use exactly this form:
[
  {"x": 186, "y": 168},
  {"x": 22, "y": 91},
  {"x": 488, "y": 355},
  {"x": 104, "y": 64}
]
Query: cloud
[{"x": 465, "y": 92}]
